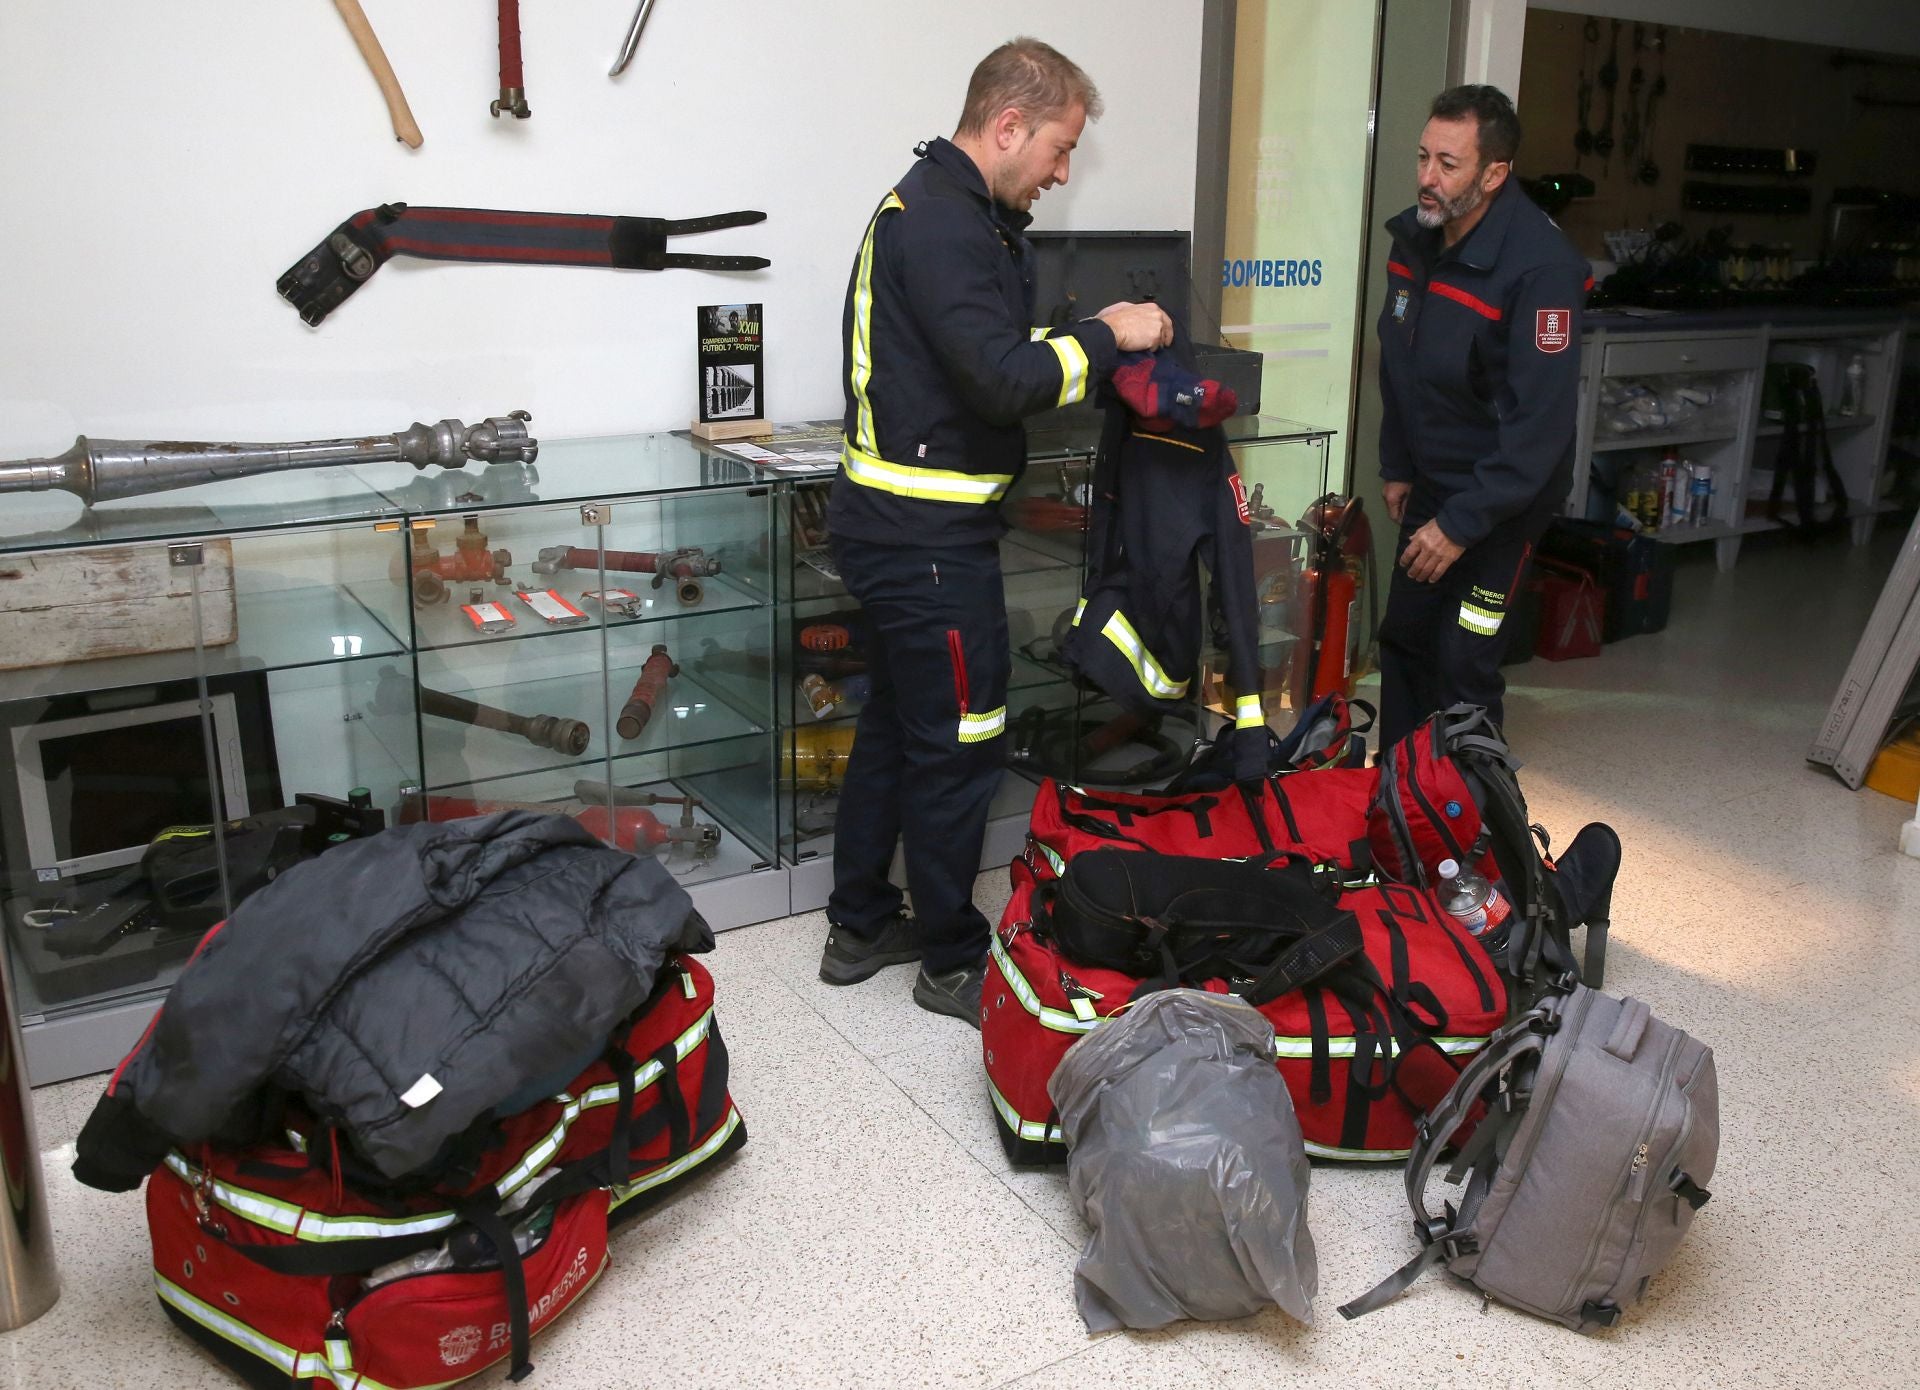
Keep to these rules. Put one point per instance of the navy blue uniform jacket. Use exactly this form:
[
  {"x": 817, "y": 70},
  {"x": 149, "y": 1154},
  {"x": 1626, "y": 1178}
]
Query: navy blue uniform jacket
[
  {"x": 1480, "y": 365},
  {"x": 941, "y": 361}
]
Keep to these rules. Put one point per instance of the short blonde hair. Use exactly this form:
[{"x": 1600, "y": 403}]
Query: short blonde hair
[{"x": 1032, "y": 77}]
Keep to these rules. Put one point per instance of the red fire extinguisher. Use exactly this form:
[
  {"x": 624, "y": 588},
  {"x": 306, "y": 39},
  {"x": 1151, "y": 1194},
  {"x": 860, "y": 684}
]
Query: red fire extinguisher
[{"x": 1326, "y": 599}]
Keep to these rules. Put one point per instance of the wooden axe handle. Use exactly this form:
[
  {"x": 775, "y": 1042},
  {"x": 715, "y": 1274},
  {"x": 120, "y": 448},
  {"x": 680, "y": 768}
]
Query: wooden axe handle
[{"x": 404, "y": 128}]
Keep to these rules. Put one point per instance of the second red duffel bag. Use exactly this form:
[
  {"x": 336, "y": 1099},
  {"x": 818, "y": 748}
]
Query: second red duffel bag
[{"x": 1363, "y": 1052}]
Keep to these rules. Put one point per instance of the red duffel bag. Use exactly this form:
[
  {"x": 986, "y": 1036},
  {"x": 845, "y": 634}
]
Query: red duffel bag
[
  {"x": 1364, "y": 1052},
  {"x": 1320, "y": 813},
  {"x": 294, "y": 1268}
]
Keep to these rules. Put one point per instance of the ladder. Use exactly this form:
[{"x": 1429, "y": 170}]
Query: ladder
[{"x": 1877, "y": 678}]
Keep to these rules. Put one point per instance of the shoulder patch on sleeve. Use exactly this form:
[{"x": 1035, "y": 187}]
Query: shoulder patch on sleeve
[{"x": 1552, "y": 329}]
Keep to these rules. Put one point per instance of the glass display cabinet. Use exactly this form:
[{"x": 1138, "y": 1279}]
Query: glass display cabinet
[{"x": 197, "y": 695}]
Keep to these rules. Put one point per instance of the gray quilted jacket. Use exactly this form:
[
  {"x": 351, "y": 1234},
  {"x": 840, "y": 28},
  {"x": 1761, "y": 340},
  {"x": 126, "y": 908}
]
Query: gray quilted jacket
[{"x": 402, "y": 986}]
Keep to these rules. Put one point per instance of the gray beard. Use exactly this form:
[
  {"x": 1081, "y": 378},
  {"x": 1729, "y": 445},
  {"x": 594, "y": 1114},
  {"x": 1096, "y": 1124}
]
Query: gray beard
[{"x": 1450, "y": 211}]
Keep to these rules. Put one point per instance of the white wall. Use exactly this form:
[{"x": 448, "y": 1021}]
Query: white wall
[
  {"x": 1882, "y": 26},
  {"x": 1496, "y": 34},
  {"x": 163, "y": 164}
]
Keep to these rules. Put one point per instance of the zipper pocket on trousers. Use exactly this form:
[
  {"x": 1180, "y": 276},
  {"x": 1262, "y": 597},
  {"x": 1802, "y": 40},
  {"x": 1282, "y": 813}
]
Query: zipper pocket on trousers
[{"x": 957, "y": 653}]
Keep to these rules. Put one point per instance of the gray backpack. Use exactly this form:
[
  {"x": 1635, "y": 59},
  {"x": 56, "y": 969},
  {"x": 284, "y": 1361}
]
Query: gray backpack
[{"x": 1598, "y": 1140}]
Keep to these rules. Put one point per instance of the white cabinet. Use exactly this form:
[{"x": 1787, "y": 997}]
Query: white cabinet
[{"x": 1704, "y": 393}]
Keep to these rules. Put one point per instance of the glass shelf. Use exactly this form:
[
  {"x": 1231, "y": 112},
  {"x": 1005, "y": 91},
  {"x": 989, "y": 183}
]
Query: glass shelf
[
  {"x": 444, "y": 626},
  {"x": 629, "y": 467},
  {"x": 692, "y": 714},
  {"x": 277, "y": 630},
  {"x": 1771, "y": 429},
  {"x": 1663, "y": 439},
  {"x": 268, "y": 502}
]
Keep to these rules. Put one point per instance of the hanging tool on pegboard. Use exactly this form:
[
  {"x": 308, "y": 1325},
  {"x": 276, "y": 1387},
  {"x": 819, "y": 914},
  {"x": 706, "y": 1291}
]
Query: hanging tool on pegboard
[
  {"x": 513, "y": 77},
  {"x": 632, "y": 40},
  {"x": 405, "y": 129}
]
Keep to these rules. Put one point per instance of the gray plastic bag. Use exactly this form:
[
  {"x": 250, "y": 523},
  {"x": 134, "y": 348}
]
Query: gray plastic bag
[{"x": 1186, "y": 1159}]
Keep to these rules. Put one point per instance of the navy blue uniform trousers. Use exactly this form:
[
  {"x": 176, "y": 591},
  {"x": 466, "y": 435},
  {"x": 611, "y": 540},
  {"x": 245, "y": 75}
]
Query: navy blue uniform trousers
[
  {"x": 1441, "y": 642},
  {"x": 930, "y": 746}
]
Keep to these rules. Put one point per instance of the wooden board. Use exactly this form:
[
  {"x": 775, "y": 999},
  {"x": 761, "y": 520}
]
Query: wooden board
[
  {"x": 730, "y": 429},
  {"x": 84, "y": 605}
]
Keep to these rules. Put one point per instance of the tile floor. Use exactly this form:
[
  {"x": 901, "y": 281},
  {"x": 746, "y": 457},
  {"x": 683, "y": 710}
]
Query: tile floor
[{"x": 872, "y": 1234}]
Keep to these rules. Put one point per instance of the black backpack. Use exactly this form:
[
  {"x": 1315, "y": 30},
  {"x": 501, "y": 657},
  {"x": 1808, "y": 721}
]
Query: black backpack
[
  {"x": 1550, "y": 896},
  {"x": 1170, "y": 920}
]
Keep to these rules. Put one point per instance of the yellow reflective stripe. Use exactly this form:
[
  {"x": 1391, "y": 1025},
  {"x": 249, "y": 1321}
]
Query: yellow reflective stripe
[
  {"x": 1057, "y": 1019},
  {"x": 1157, "y": 682},
  {"x": 1365, "y": 1155},
  {"x": 298, "y": 1366},
  {"x": 693, "y": 1158},
  {"x": 933, "y": 484},
  {"x": 1037, "y": 1130},
  {"x": 645, "y": 1076},
  {"x": 285, "y": 1358},
  {"x": 1300, "y": 1049},
  {"x": 1247, "y": 713},
  {"x": 1034, "y": 335},
  {"x": 862, "y": 347},
  {"x": 1481, "y": 620},
  {"x": 1078, "y": 609},
  {"x": 978, "y": 728},
  {"x": 1054, "y": 861},
  {"x": 1074, "y": 368},
  {"x": 291, "y": 1219}
]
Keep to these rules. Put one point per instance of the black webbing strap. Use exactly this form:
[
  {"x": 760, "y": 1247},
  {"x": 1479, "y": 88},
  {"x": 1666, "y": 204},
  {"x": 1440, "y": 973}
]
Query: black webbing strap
[
  {"x": 1286, "y": 813},
  {"x": 673, "y": 1100},
  {"x": 307, "y": 1259},
  {"x": 1092, "y": 825},
  {"x": 1257, "y": 814},
  {"x": 1320, "y": 1075},
  {"x": 494, "y": 1227},
  {"x": 326, "y": 276},
  {"x": 1372, "y": 1056},
  {"x": 713, "y": 1082},
  {"x": 620, "y": 1142},
  {"x": 1307, "y": 960},
  {"x": 1124, "y": 812}
]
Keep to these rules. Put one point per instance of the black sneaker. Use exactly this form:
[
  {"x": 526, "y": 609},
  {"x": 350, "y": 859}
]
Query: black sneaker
[
  {"x": 849, "y": 959},
  {"x": 955, "y": 993}
]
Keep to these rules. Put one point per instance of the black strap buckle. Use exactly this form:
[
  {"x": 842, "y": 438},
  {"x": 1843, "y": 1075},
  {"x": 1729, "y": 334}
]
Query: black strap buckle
[
  {"x": 326, "y": 277},
  {"x": 1438, "y": 1230},
  {"x": 1603, "y": 1314},
  {"x": 1689, "y": 1191}
]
